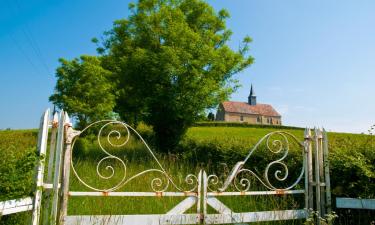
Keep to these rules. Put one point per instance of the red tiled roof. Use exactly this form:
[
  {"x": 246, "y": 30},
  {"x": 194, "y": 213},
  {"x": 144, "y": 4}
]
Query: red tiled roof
[{"x": 244, "y": 107}]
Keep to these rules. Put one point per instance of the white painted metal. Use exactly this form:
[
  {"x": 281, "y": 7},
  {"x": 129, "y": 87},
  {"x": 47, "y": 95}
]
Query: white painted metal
[
  {"x": 326, "y": 172},
  {"x": 42, "y": 149},
  {"x": 317, "y": 174},
  {"x": 219, "y": 206},
  {"x": 277, "y": 192},
  {"x": 310, "y": 170},
  {"x": 16, "y": 206},
  {"x": 321, "y": 174},
  {"x": 306, "y": 144},
  {"x": 49, "y": 185},
  {"x": 55, "y": 123},
  {"x": 223, "y": 209},
  {"x": 70, "y": 134},
  {"x": 355, "y": 203},
  {"x": 255, "y": 216},
  {"x": 133, "y": 194},
  {"x": 57, "y": 166},
  {"x": 199, "y": 192},
  {"x": 183, "y": 206},
  {"x": 205, "y": 187},
  {"x": 202, "y": 193},
  {"x": 156, "y": 219}
]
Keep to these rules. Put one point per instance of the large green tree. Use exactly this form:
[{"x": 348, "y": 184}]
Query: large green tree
[
  {"x": 83, "y": 89},
  {"x": 172, "y": 61}
]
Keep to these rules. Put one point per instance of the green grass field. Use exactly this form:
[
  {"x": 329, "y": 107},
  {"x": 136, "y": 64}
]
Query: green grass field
[{"x": 352, "y": 157}]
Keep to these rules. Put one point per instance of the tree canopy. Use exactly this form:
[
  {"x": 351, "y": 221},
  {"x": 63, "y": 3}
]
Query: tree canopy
[
  {"x": 170, "y": 61},
  {"x": 83, "y": 89}
]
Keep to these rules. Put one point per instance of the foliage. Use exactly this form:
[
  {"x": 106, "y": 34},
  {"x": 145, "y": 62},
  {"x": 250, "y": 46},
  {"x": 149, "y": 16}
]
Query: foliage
[
  {"x": 172, "y": 62},
  {"x": 352, "y": 156},
  {"x": 351, "y": 162},
  {"x": 328, "y": 219},
  {"x": 211, "y": 116},
  {"x": 17, "y": 163},
  {"x": 243, "y": 124},
  {"x": 83, "y": 89}
]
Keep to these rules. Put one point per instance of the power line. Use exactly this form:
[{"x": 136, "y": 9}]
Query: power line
[
  {"x": 30, "y": 39},
  {"x": 34, "y": 44},
  {"x": 23, "y": 52}
]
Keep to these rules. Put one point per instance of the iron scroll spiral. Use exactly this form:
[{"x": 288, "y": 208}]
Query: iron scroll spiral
[
  {"x": 158, "y": 184},
  {"x": 276, "y": 146}
]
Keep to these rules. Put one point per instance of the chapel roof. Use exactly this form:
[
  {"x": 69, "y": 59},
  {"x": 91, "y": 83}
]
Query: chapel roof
[{"x": 245, "y": 108}]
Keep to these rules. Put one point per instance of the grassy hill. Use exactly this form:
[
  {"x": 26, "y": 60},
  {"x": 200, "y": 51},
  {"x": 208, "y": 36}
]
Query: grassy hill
[{"x": 352, "y": 158}]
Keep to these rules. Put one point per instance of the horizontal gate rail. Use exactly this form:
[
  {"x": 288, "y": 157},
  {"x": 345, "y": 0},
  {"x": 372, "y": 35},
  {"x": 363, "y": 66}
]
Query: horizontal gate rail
[
  {"x": 252, "y": 193},
  {"x": 249, "y": 217},
  {"x": 156, "y": 219},
  {"x": 134, "y": 194},
  {"x": 16, "y": 206},
  {"x": 355, "y": 203}
]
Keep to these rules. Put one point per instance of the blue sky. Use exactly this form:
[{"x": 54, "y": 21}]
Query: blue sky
[{"x": 314, "y": 60}]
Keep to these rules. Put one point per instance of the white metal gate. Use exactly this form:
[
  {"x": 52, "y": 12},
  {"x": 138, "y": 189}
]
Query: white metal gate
[{"x": 312, "y": 180}]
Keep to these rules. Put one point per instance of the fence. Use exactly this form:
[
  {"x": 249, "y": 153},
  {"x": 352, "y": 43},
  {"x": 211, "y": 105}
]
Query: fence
[{"x": 312, "y": 181}]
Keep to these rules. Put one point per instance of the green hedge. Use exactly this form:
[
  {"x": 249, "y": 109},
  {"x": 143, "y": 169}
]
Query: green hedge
[
  {"x": 352, "y": 156},
  {"x": 243, "y": 124},
  {"x": 18, "y": 158}
]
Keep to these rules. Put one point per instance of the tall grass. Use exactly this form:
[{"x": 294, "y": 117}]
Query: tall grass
[
  {"x": 352, "y": 169},
  {"x": 138, "y": 159}
]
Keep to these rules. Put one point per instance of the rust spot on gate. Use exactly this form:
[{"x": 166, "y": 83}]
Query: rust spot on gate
[
  {"x": 190, "y": 193},
  {"x": 104, "y": 193},
  {"x": 55, "y": 124},
  {"x": 159, "y": 194},
  {"x": 280, "y": 192}
]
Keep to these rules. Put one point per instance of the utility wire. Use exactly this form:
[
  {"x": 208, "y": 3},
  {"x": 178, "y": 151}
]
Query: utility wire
[
  {"x": 23, "y": 52},
  {"x": 30, "y": 39},
  {"x": 29, "y": 35}
]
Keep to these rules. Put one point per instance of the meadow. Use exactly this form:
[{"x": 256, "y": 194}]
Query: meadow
[{"x": 214, "y": 149}]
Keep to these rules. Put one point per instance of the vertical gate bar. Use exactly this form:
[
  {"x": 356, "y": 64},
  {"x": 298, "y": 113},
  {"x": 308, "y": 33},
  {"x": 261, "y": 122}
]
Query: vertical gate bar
[
  {"x": 55, "y": 122},
  {"x": 310, "y": 171},
  {"x": 205, "y": 186},
  {"x": 305, "y": 161},
  {"x": 321, "y": 174},
  {"x": 199, "y": 192},
  {"x": 42, "y": 148},
  {"x": 56, "y": 182},
  {"x": 69, "y": 136},
  {"x": 52, "y": 147},
  {"x": 317, "y": 174},
  {"x": 326, "y": 172}
]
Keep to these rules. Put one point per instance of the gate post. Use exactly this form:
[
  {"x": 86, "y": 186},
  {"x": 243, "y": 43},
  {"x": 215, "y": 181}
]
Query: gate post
[
  {"x": 317, "y": 140},
  {"x": 309, "y": 200},
  {"x": 322, "y": 178},
  {"x": 55, "y": 124},
  {"x": 57, "y": 172},
  {"x": 309, "y": 174},
  {"x": 69, "y": 136},
  {"x": 326, "y": 173},
  {"x": 42, "y": 149}
]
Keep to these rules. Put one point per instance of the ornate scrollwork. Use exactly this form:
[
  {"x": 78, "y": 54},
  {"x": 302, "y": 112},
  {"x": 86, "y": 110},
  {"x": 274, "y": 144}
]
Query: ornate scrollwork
[
  {"x": 240, "y": 177},
  {"x": 157, "y": 184}
]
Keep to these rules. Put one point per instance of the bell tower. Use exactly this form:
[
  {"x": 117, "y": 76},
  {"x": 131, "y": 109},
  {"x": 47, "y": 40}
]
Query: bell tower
[{"x": 252, "y": 99}]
